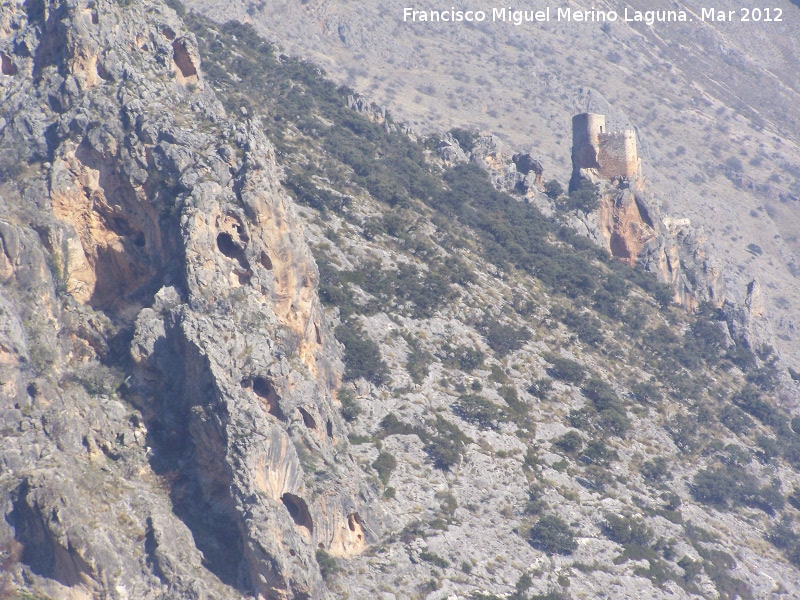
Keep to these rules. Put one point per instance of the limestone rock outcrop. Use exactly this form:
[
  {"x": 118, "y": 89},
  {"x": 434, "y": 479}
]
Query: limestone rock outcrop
[
  {"x": 160, "y": 324},
  {"x": 633, "y": 229}
]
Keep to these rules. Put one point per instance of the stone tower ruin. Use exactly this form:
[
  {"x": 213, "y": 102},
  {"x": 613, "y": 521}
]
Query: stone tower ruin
[{"x": 610, "y": 154}]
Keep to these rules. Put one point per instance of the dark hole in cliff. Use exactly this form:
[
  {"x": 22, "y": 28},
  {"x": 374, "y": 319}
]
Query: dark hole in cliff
[
  {"x": 6, "y": 65},
  {"x": 329, "y": 427},
  {"x": 265, "y": 261},
  {"x": 266, "y": 392},
  {"x": 168, "y": 33},
  {"x": 229, "y": 248},
  {"x": 102, "y": 73},
  {"x": 292, "y": 552},
  {"x": 618, "y": 247},
  {"x": 321, "y": 546},
  {"x": 145, "y": 48},
  {"x": 32, "y": 390},
  {"x": 182, "y": 59},
  {"x": 354, "y": 520},
  {"x": 139, "y": 239},
  {"x": 316, "y": 331},
  {"x": 298, "y": 509},
  {"x": 308, "y": 420},
  {"x": 40, "y": 552}
]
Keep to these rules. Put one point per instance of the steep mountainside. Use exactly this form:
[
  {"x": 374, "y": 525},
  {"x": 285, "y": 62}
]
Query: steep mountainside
[
  {"x": 257, "y": 340},
  {"x": 169, "y": 427},
  {"x": 714, "y": 105}
]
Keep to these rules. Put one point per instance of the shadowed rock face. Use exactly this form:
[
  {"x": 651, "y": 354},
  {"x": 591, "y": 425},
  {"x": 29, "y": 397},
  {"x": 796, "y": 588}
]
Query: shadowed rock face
[{"x": 170, "y": 308}]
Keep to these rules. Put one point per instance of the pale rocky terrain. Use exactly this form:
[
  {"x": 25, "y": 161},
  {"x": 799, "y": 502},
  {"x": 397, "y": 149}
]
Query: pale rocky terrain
[
  {"x": 258, "y": 340},
  {"x": 154, "y": 437},
  {"x": 714, "y": 106}
]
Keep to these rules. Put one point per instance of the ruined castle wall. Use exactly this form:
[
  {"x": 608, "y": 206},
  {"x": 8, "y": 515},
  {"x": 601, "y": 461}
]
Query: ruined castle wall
[
  {"x": 586, "y": 131},
  {"x": 617, "y": 154}
]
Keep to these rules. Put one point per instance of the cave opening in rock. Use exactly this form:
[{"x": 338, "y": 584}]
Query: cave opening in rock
[
  {"x": 308, "y": 420},
  {"x": 227, "y": 246},
  {"x": 298, "y": 510},
  {"x": 263, "y": 388},
  {"x": 619, "y": 247},
  {"x": 180, "y": 54},
  {"x": 355, "y": 525},
  {"x": 353, "y": 520},
  {"x": 232, "y": 250},
  {"x": 102, "y": 72},
  {"x": 265, "y": 261},
  {"x": 329, "y": 427}
]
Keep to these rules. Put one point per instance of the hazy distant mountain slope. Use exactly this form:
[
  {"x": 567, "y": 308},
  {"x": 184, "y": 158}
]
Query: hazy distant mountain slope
[
  {"x": 715, "y": 106},
  {"x": 540, "y": 420}
]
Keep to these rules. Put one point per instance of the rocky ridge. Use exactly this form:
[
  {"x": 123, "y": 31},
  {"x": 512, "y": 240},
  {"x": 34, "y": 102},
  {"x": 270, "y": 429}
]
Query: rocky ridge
[
  {"x": 510, "y": 413},
  {"x": 169, "y": 423},
  {"x": 712, "y": 103}
]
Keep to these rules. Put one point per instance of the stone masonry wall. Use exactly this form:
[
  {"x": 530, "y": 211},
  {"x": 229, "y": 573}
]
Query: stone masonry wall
[{"x": 618, "y": 156}]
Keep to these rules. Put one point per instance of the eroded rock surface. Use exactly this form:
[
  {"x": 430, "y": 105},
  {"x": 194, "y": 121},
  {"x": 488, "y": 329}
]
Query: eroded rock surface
[{"x": 166, "y": 369}]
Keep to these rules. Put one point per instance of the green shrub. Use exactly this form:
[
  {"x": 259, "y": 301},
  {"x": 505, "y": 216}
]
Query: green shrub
[
  {"x": 586, "y": 197},
  {"x": 585, "y": 326},
  {"x": 384, "y": 465},
  {"x": 597, "y": 453},
  {"x": 553, "y": 189},
  {"x": 362, "y": 356},
  {"x": 434, "y": 559},
  {"x": 351, "y": 409},
  {"x": 646, "y": 392},
  {"x": 626, "y": 530},
  {"x": 418, "y": 362},
  {"x": 553, "y": 536},
  {"x": 750, "y": 400},
  {"x": 503, "y": 339},
  {"x": 570, "y": 443},
  {"x": 466, "y": 139},
  {"x": 446, "y": 446},
  {"x": 564, "y": 369},
  {"x": 731, "y": 485},
  {"x": 540, "y": 388},
  {"x": 518, "y": 411},
  {"x": 768, "y": 448},
  {"x": 477, "y": 410},
  {"x": 735, "y": 419},
  {"x": 535, "y": 503},
  {"x": 656, "y": 470},
  {"x": 794, "y": 498},
  {"x": 683, "y": 430},
  {"x": 610, "y": 412},
  {"x": 465, "y": 358},
  {"x": 328, "y": 565}
]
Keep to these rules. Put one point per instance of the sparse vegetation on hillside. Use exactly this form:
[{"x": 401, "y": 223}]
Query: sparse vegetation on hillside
[{"x": 500, "y": 319}]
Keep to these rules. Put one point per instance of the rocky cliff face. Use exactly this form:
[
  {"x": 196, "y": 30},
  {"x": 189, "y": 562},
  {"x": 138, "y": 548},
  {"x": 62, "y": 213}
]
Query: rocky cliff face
[
  {"x": 510, "y": 413},
  {"x": 713, "y": 104},
  {"x": 168, "y": 377},
  {"x": 632, "y": 229}
]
